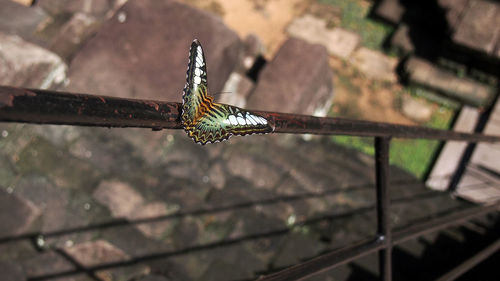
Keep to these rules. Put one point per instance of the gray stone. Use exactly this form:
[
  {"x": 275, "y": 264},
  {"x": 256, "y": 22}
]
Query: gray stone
[
  {"x": 450, "y": 155},
  {"x": 8, "y": 172},
  {"x": 17, "y": 19},
  {"x": 16, "y": 214},
  {"x": 479, "y": 28},
  {"x": 416, "y": 109},
  {"x": 297, "y": 80},
  {"x": 26, "y": 65},
  {"x": 390, "y": 10},
  {"x": 236, "y": 90},
  {"x": 97, "y": 252},
  {"x": 120, "y": 198},
  {"x": 45, "y": 264},
  {"x": 11, "y": 272},
  {"x": 295, "y": 248},
  {"x": 401, "y": 39},
  {"x": 152, "y": 64},
  {"x": 375, "y": 65},
  {"x": 154, "y": 229},
  {"x": 96, "y": 8},
  {"x": 468, "y": 91},
  {"x": 73, "y": 34},
  {"x": 339, "y": 42},
  {"x": 248, "y": 167},
  {"x": 454, "y": 10}
]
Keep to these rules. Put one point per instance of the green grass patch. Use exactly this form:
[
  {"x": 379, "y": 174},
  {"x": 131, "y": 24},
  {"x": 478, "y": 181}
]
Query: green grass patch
[
  {"x": 413, "y": 155},
  {"x": 354, "y": 18}
]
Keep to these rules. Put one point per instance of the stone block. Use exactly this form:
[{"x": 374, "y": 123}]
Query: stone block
[
  {"x": 24, "y": 64},
  {"x": 96, "y": 8},
  {"x": 479, "y": 28},
  {"x": 297, "y": 80},
  {"x": 23, "y": 21},
  {"x": 16, "y": 214},
  {"x": 135, "y": 55},
  {"x": 339, "y": 42},
  {"x": 73, "y": 34},
  {"x": 11, "y": 272},
  {"x": 390, "y": 10},
  {"x": 120, "y": 198},
  {"x": 454, "y": 10},
  {"x": 468, "y": 91},
  {"x": 45, "y": 264},
  {"x": 236, "y": 91},
  {"x": 93, "y": 253},
  {"x": 375, "y": 65},
  {"x": 449, "y": 157},
  {"x": 416, "y": 109},
  {"x": 401, "y": 39}
]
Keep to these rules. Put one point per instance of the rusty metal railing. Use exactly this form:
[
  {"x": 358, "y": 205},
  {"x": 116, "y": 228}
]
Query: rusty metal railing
[{"x": 49, "y": 107}]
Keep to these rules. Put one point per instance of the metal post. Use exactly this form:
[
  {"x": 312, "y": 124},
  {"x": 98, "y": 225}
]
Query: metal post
[{"x": 383, "y": 206}]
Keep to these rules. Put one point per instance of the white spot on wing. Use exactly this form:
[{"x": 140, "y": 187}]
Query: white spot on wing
[
  {"x": 250, "y": 120},
  {"x": 197, "y": 72},
  {"x": 264, "y": 121},
  {"x": 199, "y": 50},
  {"x": 226, "y": 122},
  {"x": 197, "y": 79},
  {"x": 232, "y": 119},
  {"x": 241, "y": 121}
]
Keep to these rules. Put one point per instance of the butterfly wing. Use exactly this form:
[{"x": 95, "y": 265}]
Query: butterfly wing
[
  {"x": 206, "y": 121},
  {"x": 222, "y": 121},
  {"x": 196, "y": 88}
]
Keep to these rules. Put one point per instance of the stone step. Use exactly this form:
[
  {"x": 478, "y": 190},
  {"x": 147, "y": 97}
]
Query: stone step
[
  {"x": 451, "y": 153},
  {"x": 422, "y": 73}
]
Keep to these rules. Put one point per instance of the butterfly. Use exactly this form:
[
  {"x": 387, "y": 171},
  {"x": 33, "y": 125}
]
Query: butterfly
[{"x": 206, "y": 121}]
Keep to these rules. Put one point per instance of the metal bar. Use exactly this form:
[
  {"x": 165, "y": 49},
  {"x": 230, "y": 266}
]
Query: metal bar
[
  {"x": 325, "y": 262},
  {"x": 441, "y": 223},
  {"x": 383, "y": 207},
  {"x": 471, "y": 262},
  {"x": 49, "y": 107}
]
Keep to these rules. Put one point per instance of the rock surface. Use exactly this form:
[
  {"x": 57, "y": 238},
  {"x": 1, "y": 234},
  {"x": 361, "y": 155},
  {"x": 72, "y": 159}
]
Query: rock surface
[
  {"x": 152, "y": 64},
  {"x": 16, "y": 214},
  {"x": 375, "y": 65},
  {"x": 73, "y": 34},
  {"x": 339, "y": 42},
  {"x": 11, "y": 272},
  {"x": 297, "y": 80},
  {"x": 27, "y": 65},
  {"x": 22, "y": 21},
  {"x": 466, "y": 90},
  {"x": 480, "y": 27},
  {"x": 416, "y": 109},
  {"x": 97, "y": 252}
]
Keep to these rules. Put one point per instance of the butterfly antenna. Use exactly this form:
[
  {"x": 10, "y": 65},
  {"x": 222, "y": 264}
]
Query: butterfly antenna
[{"x": 220, "y": 93}]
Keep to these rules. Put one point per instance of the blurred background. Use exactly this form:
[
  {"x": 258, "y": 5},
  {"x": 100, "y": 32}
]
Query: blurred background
[{"x": 80, "y": 203}]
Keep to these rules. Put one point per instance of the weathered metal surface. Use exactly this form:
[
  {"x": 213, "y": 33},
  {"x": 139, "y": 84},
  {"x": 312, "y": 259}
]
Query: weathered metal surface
[
  {"x": 49, "y": 107},
  {"x": 383, "y": 207},
  {"x": 46, "y": 107}
]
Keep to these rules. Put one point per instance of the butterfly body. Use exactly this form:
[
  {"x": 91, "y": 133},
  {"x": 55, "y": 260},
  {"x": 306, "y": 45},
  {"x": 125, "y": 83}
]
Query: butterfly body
[{"x": 206, "y": 121}]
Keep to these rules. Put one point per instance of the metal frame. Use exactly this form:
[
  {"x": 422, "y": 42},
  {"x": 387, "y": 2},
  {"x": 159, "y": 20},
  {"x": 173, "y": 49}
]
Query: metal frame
[{"x": 49, "y": 107}]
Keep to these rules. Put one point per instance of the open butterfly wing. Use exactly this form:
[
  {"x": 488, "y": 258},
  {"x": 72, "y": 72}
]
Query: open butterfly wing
[
  {"x": 206, "y": 121},
  {"x": 196, "y": 88},
  {"x": 224, "y": 120}
]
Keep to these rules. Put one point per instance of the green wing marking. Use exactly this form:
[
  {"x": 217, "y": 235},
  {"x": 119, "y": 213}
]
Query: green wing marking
[{"x": 209, "y": 122}]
